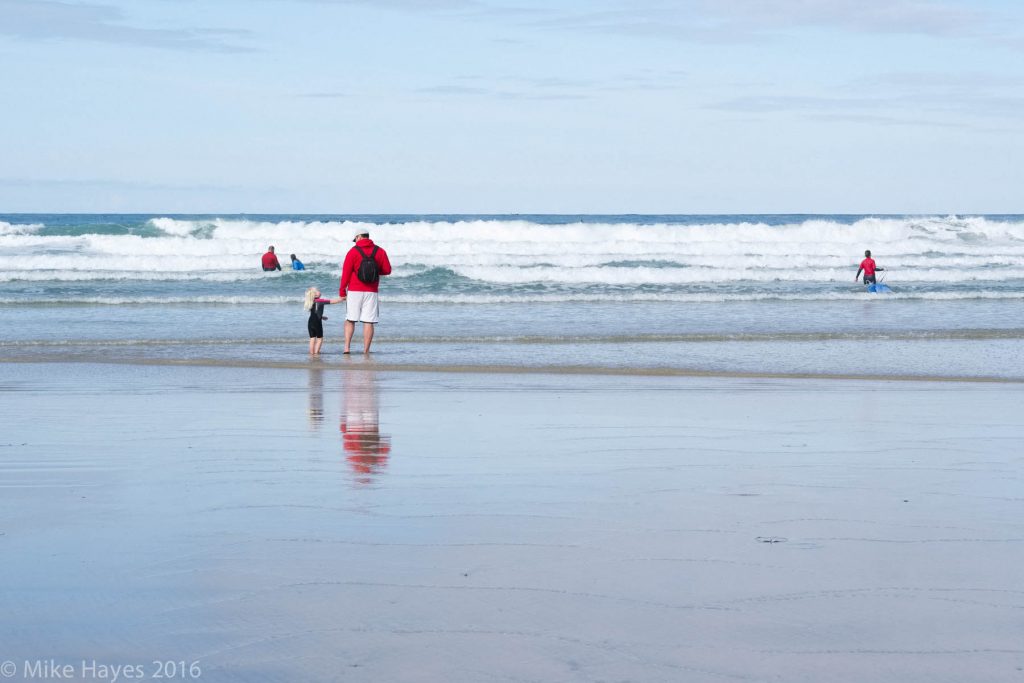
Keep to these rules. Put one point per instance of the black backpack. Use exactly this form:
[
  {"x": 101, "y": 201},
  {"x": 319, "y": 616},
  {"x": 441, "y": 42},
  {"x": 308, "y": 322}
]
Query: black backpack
[{"x": 368, "y": 272}]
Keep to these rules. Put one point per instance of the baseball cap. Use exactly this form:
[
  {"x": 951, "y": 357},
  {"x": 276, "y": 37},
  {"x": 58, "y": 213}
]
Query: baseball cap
[{"x": 360, "y": 234}]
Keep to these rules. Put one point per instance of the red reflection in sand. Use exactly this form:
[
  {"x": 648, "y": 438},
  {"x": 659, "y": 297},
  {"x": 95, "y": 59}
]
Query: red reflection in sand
[{"x": 366, "y": 449}]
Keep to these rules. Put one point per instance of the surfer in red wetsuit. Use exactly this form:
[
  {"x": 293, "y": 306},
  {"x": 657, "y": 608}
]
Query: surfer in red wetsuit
[
  {"x": 270, "y": 261},
  {"x": 868, "y": 267}
]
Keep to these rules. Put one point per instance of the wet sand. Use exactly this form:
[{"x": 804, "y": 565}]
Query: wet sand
[
  {"x": 364, "y": 525},
  {"x": 339, "y": 362}
]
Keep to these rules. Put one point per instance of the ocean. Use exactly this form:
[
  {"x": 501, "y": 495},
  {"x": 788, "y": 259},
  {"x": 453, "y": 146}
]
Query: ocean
[{"x": 745, "y": 294}]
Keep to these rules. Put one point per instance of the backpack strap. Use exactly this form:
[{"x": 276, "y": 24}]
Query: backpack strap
[{"x": 373, "y": 254}]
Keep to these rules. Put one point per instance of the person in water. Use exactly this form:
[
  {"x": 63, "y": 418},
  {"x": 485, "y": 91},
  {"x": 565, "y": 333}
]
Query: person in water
[
  {"x": 270, "y": 261},
  {"x": 364, "y": 265},
  {"x": 868, "y": 267},
  {"x": 315, "y": 305},
  {"x": 297, "y": 264}
]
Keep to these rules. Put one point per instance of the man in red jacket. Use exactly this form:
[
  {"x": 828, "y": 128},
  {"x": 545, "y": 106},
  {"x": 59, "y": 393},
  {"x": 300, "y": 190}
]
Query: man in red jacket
[{"x": 364, "y": 265}]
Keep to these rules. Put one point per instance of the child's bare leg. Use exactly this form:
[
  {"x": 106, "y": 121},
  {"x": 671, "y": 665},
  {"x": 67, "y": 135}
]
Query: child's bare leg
[
  {"x": 312, "y": 346},
  {"x": 319, "y": 343}
]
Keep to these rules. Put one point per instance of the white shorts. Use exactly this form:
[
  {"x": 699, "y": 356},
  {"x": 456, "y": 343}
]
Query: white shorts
[{"x": 362, "y": 307}]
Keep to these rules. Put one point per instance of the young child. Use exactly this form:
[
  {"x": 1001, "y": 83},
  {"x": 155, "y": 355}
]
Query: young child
[{"x": 315, "y": 305}]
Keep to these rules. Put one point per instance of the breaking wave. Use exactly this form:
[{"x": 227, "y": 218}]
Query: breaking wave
[{"x": 501, "y": 253}]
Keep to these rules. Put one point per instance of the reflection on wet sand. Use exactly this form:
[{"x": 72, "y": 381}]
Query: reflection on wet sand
[
  {"x": 366, "y": 449},
  {"x": 316, "y": 397}
]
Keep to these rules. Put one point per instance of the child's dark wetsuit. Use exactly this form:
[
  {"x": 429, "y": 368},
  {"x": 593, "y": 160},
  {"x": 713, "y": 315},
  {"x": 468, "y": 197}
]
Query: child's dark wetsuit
[{"x": 316, "y": 318}]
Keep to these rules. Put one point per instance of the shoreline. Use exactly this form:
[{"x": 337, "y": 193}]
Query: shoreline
[{"x": 508, "y": 369}]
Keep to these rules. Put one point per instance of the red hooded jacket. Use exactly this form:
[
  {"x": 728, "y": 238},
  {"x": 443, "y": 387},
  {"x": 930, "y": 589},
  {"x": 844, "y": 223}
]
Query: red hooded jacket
[{"x": 349, "y": 281}]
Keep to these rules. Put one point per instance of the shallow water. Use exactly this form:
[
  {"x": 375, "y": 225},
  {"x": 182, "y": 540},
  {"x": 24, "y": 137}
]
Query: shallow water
[{"x": 977, "y": 339}]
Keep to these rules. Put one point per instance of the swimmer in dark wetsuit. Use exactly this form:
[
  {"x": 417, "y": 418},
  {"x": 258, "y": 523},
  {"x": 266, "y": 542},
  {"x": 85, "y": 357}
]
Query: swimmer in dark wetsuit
[{"x": 315, "y": 305}]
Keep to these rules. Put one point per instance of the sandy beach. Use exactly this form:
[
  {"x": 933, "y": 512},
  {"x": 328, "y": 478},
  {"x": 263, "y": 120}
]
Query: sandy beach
[{"x": 354, "y": 524}]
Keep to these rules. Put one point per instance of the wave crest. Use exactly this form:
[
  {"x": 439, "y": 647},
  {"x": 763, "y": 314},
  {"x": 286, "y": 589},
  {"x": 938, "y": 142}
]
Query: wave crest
[
  {"x": 511, "y": 251},
  {"x": 19, "y": 228}
]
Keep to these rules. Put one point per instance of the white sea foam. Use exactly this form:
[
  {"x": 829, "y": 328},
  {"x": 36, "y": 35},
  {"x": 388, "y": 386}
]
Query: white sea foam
[
  {"x": 94, "y": 275},
  {"x": 667, "y": 276},
  {"x": 150, "y": 300},
  {"x": 581, "y": 297},
  {"x": 507, "y": 252},
  {"x": 177, "y": 228},
  {"x": 19, "y": 228},
  {"x": 696, "y": 297}
]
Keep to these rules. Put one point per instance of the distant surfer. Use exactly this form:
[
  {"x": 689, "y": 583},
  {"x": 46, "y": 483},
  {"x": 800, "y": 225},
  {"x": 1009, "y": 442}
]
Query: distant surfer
[
  {"x": 270, "y": 261},
  {"x": 868, "y": 267},
  {"x": 297, "y": 264}
]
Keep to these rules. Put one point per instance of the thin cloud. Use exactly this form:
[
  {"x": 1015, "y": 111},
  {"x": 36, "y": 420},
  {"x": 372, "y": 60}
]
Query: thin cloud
[
  {"x": 510, "y": 15},
  {"x": 455, "y": 90},
  {"x": 461, "y": 7},
  {"x": 645, "y": 21},
  {"x": 783, "y": 103},
  {"x": 497, "y": 93},
  {"x": 717, "y": 21},
  {"x": 45, "y": 20},
  {"x": 410, "y": 5},
  {"x": 903, "y": 107},
  {"x": 111, "y": 184},
  {"x": 935, "y": 17},
  {"x": 875, "y": 120},
  {"x": 944, "y": 80},
  {"x": 738, "y": 21},
  {"x": 557, "y": 87}
]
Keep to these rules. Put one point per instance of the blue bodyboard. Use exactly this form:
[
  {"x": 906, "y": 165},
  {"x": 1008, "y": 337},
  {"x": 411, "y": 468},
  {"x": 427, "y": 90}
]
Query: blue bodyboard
[{"x": 879, "y": 288}]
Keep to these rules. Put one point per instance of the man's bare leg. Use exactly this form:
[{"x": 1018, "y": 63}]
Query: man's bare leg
[
  {"x": 367, "y": 336},
  {"x": 350, "y": 328}
]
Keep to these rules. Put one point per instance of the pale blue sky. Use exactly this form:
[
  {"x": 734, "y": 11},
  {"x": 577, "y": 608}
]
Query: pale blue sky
[{"x": 610, "y": 106}]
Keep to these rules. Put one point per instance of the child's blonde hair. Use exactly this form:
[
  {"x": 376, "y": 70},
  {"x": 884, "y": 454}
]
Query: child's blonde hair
[{"x": 311, "y": 294}]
